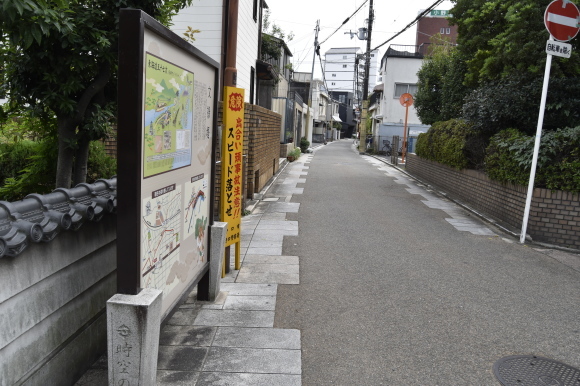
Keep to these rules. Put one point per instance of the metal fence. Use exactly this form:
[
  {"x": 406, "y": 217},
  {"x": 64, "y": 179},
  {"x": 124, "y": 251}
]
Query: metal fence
[{"x": 383, "y": 145}]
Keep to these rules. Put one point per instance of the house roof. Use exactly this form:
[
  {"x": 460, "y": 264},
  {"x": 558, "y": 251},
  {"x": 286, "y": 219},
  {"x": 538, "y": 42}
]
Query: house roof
[
  {"x": 283, "y": 43},
  {"x": 344, "y": 50}
]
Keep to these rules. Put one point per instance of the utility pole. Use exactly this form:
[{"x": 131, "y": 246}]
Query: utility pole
[
  {"x": 368, "y": 52},
  {"x": 365, "y": 90},
  {"x": 316, "y": 49}
]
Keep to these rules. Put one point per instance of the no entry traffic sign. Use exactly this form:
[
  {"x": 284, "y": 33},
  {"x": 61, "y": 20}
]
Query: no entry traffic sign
[{"x": 561, "y": 19}]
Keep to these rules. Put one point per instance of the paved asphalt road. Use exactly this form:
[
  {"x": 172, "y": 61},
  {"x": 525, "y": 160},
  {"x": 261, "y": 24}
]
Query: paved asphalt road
[{"x": 391, "y": 293}]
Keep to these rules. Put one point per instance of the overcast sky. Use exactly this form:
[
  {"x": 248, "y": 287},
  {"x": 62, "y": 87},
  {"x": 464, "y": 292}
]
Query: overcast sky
[{"x": 299, "y": 17}]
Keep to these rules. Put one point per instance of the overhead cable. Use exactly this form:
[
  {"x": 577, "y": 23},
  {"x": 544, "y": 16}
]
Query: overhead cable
[
  {"x": 344, "y": 22},
  {"x": 421, "y": 15}
]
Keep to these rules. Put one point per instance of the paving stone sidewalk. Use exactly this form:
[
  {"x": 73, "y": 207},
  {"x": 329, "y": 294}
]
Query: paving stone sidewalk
[{"x": 232, "y": 341}]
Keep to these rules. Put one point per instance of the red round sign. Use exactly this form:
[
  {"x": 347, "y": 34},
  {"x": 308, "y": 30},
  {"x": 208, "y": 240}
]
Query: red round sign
[{"x": 561, "y": 19}]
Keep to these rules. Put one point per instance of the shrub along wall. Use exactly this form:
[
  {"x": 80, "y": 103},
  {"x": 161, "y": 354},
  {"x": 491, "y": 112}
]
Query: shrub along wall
[{"x": 554, "y": 215}]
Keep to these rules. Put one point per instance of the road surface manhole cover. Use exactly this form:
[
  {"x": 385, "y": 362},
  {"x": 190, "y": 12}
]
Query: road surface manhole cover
[{"x": 529, "y": 370}]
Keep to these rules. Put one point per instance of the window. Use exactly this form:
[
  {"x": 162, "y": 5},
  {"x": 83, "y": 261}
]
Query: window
[
  {"x": 401, "y": 88},
  {"x": 334, "y": 75},
  {"x": 333, "y": 84},
  {"x": 344, "y": 57},
  {"x": 448, "y": 31},
  {"x": 442, "y": 31},
  {"x": 341, "y": 98},
  {"x": 344, "y": 66},
  {"x": 372, "y": 55}
]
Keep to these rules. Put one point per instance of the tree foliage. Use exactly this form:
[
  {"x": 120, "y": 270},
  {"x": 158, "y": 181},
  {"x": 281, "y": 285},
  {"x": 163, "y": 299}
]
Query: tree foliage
[
  {"x": 273, "y": 37},
  {"x": 61, "y": 56},
  {"x": 500, "y": 38},
  {"x": 514, "y": 103},
  {"x": 440, "y": 91}
]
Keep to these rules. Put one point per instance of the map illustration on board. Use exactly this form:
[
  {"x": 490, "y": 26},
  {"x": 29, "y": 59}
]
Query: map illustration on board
[
  {"x": 195, "y": 214},
  {"x": 161, "y": 238},
  {"x": 168, "y": 117}
]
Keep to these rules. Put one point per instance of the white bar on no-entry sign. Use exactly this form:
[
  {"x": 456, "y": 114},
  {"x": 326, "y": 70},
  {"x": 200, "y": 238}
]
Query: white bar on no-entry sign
[{"x": 564, "y": 20}]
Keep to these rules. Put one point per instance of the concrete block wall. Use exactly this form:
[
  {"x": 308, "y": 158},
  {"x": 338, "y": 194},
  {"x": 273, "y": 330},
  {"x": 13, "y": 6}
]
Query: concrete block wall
[
  {"x": 554, "y": 216},
  {"x": 52, "y": 306}
]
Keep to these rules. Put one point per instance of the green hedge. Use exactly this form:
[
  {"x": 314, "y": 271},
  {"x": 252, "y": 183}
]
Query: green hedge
[
  {"x": 14, "y": 157},
  {"x": 446, "y": 143},
  {"x": 509, "y": 159},
  {"x": 30, "y": 167}
]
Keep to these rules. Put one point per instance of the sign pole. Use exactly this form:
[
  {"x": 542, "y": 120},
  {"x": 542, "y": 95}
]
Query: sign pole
[
  {"x": 405, "y": 134},
  {"x": 536, "y": 147},
  {"x": 406, "y": 101}
]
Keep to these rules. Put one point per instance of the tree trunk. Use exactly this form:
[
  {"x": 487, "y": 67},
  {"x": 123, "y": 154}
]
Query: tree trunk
[
  {"x": 64, "y": 164},
  {"x": 81, "y": 160}
]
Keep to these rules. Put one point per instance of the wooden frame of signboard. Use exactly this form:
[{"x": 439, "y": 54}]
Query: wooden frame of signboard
[{"x": 166, "y": 164}]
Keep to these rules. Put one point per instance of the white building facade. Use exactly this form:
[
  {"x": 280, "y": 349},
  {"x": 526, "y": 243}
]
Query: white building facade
[
  {"x": 399, "y": 67},
  {"x": 340, "y": 69},
  {"x": 208, "y": 17},
  {"x": 343, "y": 72}
]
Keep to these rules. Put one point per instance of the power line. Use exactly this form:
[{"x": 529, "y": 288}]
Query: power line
[
  {"x": 421, "y": 15},
  {"x": 344, "y": 22}
]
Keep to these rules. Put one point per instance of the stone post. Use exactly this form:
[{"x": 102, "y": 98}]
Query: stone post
[
  {"x": 133, "y": 324},
  {"x": 217, "y": 250}
]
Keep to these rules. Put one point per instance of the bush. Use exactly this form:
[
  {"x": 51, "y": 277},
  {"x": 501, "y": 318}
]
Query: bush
[
  {"x": 449, "y": 143},
  {"x": 510, "y": 153},
  {"x": 30, "y": 167},
  {"x": 100, "y": 165},
  {"x": 304, "y": 144},
  {"x": 514, "y": 103},
  {"x": 295, "y": 154},
  {"x": 14, "y": 157},
  {"x": 38, "y": 174}
]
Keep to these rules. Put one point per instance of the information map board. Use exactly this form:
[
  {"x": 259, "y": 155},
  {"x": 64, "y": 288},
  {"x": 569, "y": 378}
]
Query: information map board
[{"x": 166, "y": 133}]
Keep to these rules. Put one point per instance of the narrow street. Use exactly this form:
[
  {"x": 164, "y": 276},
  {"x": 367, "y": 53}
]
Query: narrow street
[{"x": 399, "y": 286}]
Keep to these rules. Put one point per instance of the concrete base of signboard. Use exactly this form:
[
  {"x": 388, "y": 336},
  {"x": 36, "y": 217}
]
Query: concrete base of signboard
[
  {"x": 133, "y": 324},
  {"x": 217, "y": 250}
]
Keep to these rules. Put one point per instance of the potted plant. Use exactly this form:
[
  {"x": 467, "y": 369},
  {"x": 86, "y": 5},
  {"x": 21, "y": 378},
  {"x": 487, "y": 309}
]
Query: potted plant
[{"x": 294, "y": 154}]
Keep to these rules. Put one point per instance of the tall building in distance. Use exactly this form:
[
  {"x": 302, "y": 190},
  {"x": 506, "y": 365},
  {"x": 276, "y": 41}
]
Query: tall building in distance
[
  {"x": 435, "y": 23},
  {"x": 344, "y": 73}
]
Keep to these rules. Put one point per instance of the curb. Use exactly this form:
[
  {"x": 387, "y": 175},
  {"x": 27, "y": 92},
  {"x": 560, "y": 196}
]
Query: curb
[{"x": 481, "y": 216}]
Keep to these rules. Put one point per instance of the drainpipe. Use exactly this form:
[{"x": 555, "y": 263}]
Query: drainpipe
[
  {"x": 230, "y": 72},
  {"x": 309, "y": 121}
]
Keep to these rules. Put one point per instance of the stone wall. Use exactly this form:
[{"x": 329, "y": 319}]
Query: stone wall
[
  {"x": 52, "y": 305},
  {"x": 554, "y": 215}
]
